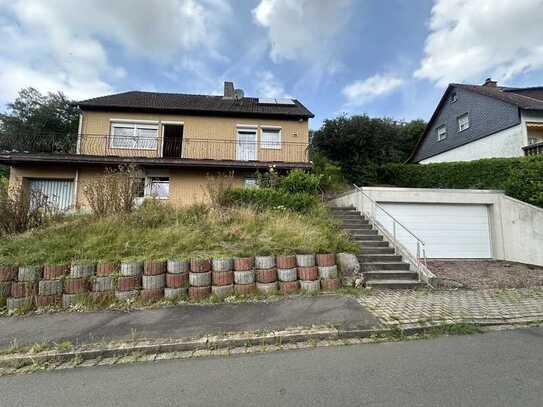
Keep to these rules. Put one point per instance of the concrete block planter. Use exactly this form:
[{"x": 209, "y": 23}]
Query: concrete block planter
[
  {"x": 330, "y": 284},
  {"x": 200, "y": 279},
  {"x": 287, "y": 274},
  {"x": 200, "y": 266},
  {"x": 128, "y": 283},
  {"x": 5, "y": 289},
  {"x": 16, "y": 303},
  {"x": 126, "y": 295},
  {"x": 308, "y": 273},
  {"x": 289, "y": 287},
  {"x": 178, "y": 266},
  {"x": 75, "y": 285},
  {"x": 264, "y": 262},
  {"x": 132, "y": 268},
  {"x": 48, "y": 300},
  {"x": 329, "y": 272},
  {"x": 105, "y": 269},
  {"x": 326, "y": 259},
  {"x": 244, "y": 277},
  {"x": 154, "y": 282},
  {"x": 245, "y": 289},
  {"x": 310, "y": 286},
  {"x": 286, "y": 262},
  {"x": 8, "y": 273},
  {"x": 267, "y": 288},
  {"x": 305, "y": 260},
  {"x": 222, "y": 278},
  {"x": 223, "y": 291},
  {"x": 100, "y": 284},
  {"x": 152, "y": 294},
  {"x": 54, "y": 272},
  {"x": 222, "y": 264},
  {"x": 50, "y": 287},
  {"x": 29, "y": 273},
  {"x": 82, "y": 270},
  {"x": 72, "y": 299},
  {"x": 20, "y": 289},
  {"x": 154, "y": 268},
  {"x": 199, "y": 293},
  {"x": 102, "y": 296},
  {"x": 266, "y": 276},
  {"x": 244, "y": 263},
  {"x": 171, "y": 293},
  {"x": 177, "y": 280}
]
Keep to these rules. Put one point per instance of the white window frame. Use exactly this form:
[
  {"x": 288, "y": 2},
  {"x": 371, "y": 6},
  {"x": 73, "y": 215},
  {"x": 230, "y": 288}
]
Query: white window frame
[
  {"x": 442, "y": 136},
  {"x": 271, "y": 146},
  {"x": 135, "y": 125},
  {"x": 467, "y": 123},
  {"x": 250, "y": 182},
  {"x": 151, "y": 182}
]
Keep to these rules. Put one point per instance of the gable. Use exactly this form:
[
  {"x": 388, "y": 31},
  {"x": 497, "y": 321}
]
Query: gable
[{"x": 486, "y": 116}]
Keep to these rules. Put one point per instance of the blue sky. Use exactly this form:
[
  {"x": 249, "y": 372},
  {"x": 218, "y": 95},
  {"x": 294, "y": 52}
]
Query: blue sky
[{"x": 384, "y": 58}]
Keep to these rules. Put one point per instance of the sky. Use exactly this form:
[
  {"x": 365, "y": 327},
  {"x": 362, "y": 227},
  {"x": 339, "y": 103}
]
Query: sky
[{"x": 390, "y": 58}]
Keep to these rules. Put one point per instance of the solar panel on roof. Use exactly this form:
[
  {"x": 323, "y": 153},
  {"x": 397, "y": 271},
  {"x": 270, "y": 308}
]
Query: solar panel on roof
[
  {"x": 288, "y": 102},
  {"x": 266, "y": 101}
]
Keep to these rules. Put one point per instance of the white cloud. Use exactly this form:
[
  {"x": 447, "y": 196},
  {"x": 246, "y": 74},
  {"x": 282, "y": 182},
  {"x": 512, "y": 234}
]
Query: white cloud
[
  {"x": 473, "y": 39},
  {"x": 302, "y": 29},
  {"x": 268, "y": 86},
  {"x": 70, "y": 46},
  {"x": 360, "y": 92}
]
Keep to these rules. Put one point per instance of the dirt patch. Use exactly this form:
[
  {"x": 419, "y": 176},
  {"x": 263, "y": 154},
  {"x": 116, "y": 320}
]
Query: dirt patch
[{"x": 488, "y": 273}]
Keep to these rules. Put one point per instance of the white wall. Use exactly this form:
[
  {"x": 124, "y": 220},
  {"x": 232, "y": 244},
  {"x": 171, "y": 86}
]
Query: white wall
[
  {"x": 506, "y": 143},
  {"x": 516, "y": 227}
]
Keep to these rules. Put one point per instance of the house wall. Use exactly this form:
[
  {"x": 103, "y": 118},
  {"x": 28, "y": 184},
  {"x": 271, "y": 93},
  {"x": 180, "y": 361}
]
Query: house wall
[
  {"x": 196, "y": 131},
  {"x": 530, "y": 117},
  {"x": 487, "y": 116},
  {"x": 506, "y": 143}
]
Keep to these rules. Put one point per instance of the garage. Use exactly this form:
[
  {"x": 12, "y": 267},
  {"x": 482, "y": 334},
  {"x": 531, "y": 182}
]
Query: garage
[
  {"x": 59, "y": 192},
  {"x": 448, "y": 230}
]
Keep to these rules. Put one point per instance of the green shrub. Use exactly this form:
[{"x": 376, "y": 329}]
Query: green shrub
[
  {"x": 299, "y": 181},
  {"x": 262, "y": 198},
  {"x": 519, "y": 177}
]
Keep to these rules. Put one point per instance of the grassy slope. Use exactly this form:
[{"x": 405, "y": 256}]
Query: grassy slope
[
  {"x": 4, "y": 171},
  {"x": 159, "y": 232}
]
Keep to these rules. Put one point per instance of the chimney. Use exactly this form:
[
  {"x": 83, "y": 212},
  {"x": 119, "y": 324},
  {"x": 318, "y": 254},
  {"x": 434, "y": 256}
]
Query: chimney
[
  {"x": 228, "y": 90},
  {"x": 490, "y": 83}
]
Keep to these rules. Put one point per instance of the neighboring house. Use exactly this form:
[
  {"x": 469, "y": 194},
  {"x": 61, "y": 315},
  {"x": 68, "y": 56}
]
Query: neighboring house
[
  {"x": 483, "y": 121},
  {"x": 176, "y": 139}
]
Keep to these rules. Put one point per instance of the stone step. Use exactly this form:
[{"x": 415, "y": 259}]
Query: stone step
[
  {"x": 342, "y": 208},
  {"x": 372, "y": 243},
  {"x": 357, "y": 228},
  {"x": 384, "y": 265},
  {"x": 391, "y": 275},
  {"x": 366, "y": 238},
  {"x": 353, "y": 219},
  {"x": 365, "y": 232},
  {"x": 394, "y": 284},
  {"x": 376, "y": 250},
  {"x": 372, "y": 258}
]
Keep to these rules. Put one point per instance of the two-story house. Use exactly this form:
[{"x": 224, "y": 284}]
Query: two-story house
[
  {"x": 177, "y": 140},
  {"x": 472, "y": 122}
]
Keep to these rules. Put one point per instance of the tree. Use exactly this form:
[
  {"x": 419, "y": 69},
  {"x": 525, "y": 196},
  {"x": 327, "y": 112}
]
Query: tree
[
  {"x": 37, "y": 122},
  {"x": 360, "y": 144}
]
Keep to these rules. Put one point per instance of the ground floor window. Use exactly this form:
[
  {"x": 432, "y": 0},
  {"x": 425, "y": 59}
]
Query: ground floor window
[
  {"x": 250, "y": 183},
  {"x": 159, "y": 187},
  {"x": 58, "y": 192}
]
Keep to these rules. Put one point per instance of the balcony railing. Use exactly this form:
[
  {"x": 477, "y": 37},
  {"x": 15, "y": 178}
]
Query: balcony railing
[
  {"x": 533, "y": 149},
  {"x": 159, "y": 147}
]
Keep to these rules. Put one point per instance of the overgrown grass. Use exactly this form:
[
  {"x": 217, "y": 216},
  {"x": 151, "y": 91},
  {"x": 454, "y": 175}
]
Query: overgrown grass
[{"x": 157, "y": 231}]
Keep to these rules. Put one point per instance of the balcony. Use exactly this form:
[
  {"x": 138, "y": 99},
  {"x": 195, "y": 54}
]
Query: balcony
[
  {"x": 533, "y": 149},
  {"x": 158, "y": 148}
]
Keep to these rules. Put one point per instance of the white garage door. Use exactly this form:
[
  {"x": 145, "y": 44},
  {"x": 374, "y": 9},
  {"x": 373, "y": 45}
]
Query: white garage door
[
  {"x": 449, "y": 231},
  {"x": 59, "y": 193}
]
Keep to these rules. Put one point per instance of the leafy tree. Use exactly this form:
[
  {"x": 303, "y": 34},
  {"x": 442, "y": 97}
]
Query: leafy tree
[
  {"x": 37, "y": 122},
  {"x": 360, "y": 144}
]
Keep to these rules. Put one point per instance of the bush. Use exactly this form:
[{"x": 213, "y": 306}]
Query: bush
[
  {"x": 519, "y": 177},
  {"x": 262, "y": 198},
  {"x": 299, "y": 181}
]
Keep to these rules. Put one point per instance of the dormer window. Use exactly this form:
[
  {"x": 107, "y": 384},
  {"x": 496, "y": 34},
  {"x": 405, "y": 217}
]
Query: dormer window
[
  {"x": 453, "y": 97},
  {"x": 441, "y": 133}
]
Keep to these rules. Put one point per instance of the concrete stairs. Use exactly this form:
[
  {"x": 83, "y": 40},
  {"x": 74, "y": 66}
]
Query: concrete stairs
[{"x": 381, "y": 266}]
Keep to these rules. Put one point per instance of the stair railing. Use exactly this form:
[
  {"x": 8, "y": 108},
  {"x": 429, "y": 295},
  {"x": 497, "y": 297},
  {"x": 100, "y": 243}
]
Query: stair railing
[{"x": 369, "y": 210}]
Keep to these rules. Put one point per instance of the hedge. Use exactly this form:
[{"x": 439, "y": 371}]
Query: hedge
[
  {"x": 270, "y": 198},
  {"x": 521, "y": 178}
]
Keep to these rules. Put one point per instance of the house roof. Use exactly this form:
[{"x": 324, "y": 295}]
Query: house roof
[
  {"x": 194, "y": 104},
  {"x": 523, "y": 98}
]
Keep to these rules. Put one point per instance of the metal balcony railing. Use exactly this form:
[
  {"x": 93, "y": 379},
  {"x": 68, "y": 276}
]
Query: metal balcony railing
[
  {"x": 159, "y": 147},
  {"x": 533, "y": 149}
]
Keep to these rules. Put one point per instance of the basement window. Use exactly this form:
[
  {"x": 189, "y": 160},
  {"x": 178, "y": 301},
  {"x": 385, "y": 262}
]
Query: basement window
[
  {"x": 463, "y": 122},
  {"x": 441, "y": 133},
  {"x": 270, "y": 137}
]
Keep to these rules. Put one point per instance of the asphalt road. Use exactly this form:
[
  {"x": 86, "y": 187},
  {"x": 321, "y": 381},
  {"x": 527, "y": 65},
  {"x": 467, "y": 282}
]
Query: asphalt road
[{"x": 493, "y": 369}]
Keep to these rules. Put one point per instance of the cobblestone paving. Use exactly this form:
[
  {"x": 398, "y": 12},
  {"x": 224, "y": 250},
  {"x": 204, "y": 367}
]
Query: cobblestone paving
[{"x": 423, "y": 307}]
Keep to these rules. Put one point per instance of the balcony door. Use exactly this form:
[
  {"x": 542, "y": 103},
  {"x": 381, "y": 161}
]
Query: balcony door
[
  {"x": 173, "y": 140},
  {"x": 246, "y": 144}
]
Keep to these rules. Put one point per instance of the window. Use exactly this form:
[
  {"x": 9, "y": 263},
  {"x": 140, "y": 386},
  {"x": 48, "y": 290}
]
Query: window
[
  {"x": 250, "y": 183},
  {"x": 160, "y": 187},
  {"x": 453, "y": 97},
  {"x": 134, "y": 136},
  {"x": 463, "y": 122},
  {"x": 270, "y": 137},
  {"x": 441, "y": 133}
]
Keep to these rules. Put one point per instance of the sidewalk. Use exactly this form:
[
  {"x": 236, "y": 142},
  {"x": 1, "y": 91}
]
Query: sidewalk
[{"x": 186, "y": 321}]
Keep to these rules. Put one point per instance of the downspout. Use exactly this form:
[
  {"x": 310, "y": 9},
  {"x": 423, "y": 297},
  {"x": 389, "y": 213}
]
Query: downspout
[{"x": 78, "y": 146}]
